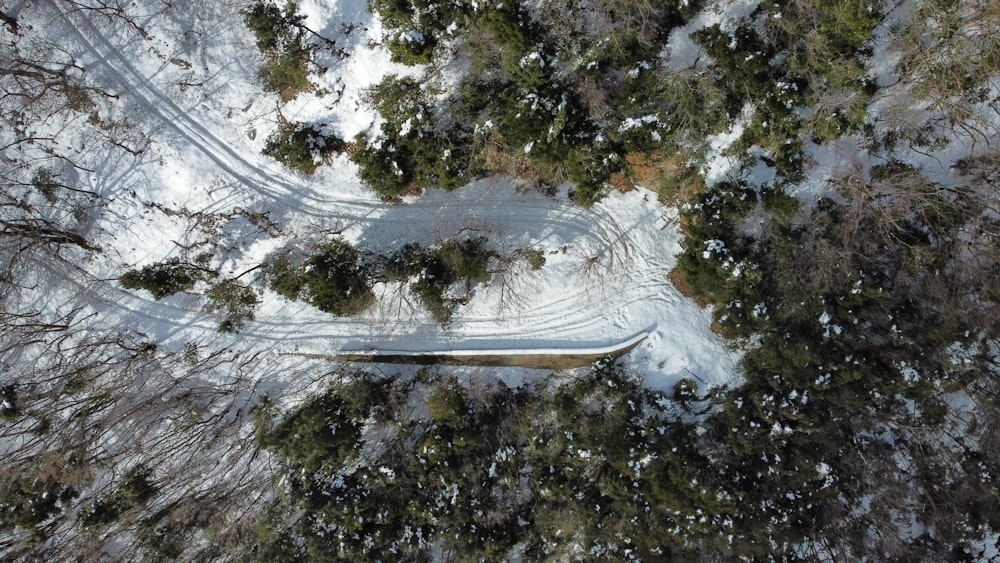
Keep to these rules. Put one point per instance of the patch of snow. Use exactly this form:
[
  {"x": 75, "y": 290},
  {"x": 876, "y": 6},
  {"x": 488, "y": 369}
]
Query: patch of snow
[
  {"x": 718, "y": 164},
  {"x": 682, "y": 53}
]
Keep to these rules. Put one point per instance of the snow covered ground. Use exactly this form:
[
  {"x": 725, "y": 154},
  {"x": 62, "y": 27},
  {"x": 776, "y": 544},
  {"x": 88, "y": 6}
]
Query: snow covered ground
[{"x": 191, "y": 87}]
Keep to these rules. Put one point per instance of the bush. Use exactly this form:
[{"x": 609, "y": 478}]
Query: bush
[
  {"x": 414, "y": 26},
  {"x": 465, "y": 259},
  {"x": 235, "y": 300},
  {"x": 401, "y": 161},
  {"x": 534, "y": 257},
  {"x": 546, "y": 125},
  {"x": 47, "y": 182},
  {"x": 29, "y": 501},
  {"x": 320, "y": 433},
  {"x": 412, "y": 47},
  {"x": 413, "y": 150},
  {"x": 166, "y": 278},
  {"x": 101, "y": 512},
  {"x": 333, "y": 280},
  {"x": 280, "y": 39},
  {"x": 8, "y": 402},
  {"x": 326, "y": 431},
  {"x": 590, "y": 167},
  {"x": 448, "y": 400},
  {"x": 136, "y": 489},
  {"x": 438, "y": 269},
  {"x": 301, "y": 147},
  {"x": 286, "y": 73}
]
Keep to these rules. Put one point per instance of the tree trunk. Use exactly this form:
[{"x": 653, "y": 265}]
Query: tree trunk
[{"x": 10, "y": 22}]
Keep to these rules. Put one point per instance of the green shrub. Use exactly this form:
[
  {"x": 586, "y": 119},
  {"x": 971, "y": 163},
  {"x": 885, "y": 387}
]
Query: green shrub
[
  {"x": 397, "y": 98},
  {"x": 319, "y": 433},
  {"x": 590, "y": 167},
  {"x": 397, "y": 164},
  {"x": 465, "y": 259},
  {"x": 8, "y": 402},
  {"x": 166, "y": 278},
  {"x": 404, "y": 263},
  {"x": 412, "y": 47},
  {"x": 286, "y": 73},
  {"x": 101, "y": 512},
  {"x": 333, "y": 280},
  {"x": 437, "y": 269},
  {"x": 29, "y": 501},
  {"x": 136, "y": 489},
  {"x": 283, "y": 277},
  {"x": 545, "y": 126},
  {"x": 279, "y": 37},
  {"x": 413, "y": 150},
  {"x": 448, "y": 400},
  {"x": 414, "y": 26},
  {"x": 273, "y": 28},
  {"x": 46, "y": 181},
  {"x": 534, "y": 257},
  {"x": 326, "y": 431},
  {"x": 235, "y": 300},
  {"x": 300, "y": 147}
]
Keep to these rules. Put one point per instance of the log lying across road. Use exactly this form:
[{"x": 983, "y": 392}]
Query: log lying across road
[{"x": 542, "y": 358}]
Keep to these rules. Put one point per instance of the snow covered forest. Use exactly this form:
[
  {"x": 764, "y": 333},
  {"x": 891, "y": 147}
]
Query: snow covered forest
[{"x": 785, "y": 214}]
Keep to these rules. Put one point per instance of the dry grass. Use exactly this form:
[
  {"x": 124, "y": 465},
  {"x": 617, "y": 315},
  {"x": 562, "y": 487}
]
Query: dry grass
[
  {"x": 621, "y": 182},
  {"x": 680, "y": 281},
  {"x": 667, "y": 174},
  {"x": 514, "y": 163}
]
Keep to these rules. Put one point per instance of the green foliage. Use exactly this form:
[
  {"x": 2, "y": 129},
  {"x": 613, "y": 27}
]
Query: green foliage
[
  {"x": 415, "y": 25},
  {"x": 545, "y": 126},
  {"x": 165, "y": 278},
  {"x": 279, "y": 35},
  {"x": 286, "y": 73},
  {"x": 164, "y": 541},
  {"x": 779, "y": 203},
  {"x": 438, "y": 269},
  {"x": 320, "y": 433},
  {"x": 274, "y": 29},
  {"x": 948, "y": 63},
  {"x": 132, "y": 492},
  {"x": 489, "y": 470},
  {"x": 136, "y": 488},
  {"x": 412, "y": 47},
  {"x": 235, "y": 300},
  {"x": 332, "y": 280},
  {"x": 396, "y": 98},
  {"x": 534, "y": 257},
  {"x": 27, "y": 502},
  {"x": 284, "y": 278},
  {"x": 447, "y": 401},
  {"x": 397, "y": 164},
  {"x": 533, "y": 72},
  {"x": 464, "y": 259},
  {"x": 413, "y": 150},
  {"x": 590, "y": 167},
  {"x": 715, "y": 249},
  {"x": 100, "y": 513},
  {"x": 300, "y": 147}
]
